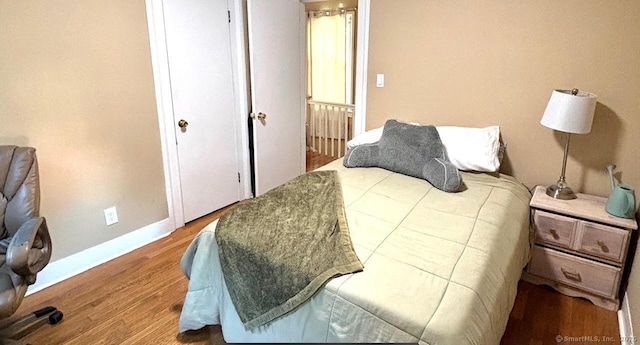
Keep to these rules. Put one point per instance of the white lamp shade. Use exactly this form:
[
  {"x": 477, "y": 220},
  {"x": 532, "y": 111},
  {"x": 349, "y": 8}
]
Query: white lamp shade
[{"x": 570, "y": 113}]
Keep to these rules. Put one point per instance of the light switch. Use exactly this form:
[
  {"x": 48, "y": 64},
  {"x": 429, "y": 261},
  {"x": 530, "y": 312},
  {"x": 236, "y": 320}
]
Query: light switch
[{"x": 380, "y": 80}]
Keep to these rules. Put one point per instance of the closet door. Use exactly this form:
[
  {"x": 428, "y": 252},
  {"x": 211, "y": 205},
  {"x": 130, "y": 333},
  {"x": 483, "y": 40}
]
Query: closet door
[{"x": 199, "y": 52}]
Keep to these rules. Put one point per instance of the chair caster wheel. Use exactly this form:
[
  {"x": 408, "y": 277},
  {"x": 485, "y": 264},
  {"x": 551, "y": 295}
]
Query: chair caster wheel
[{"x": 55, "y": 317}]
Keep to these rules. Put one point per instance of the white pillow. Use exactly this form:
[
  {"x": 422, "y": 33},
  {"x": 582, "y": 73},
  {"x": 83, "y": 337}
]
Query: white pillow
[
  {"x": 474, "y": 149},
  {"x": 368, "y": 137},
  {"x": 468, "y": 148}
]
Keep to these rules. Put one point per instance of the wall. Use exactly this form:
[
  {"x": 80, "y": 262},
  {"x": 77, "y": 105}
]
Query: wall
[
  {"x": 77, "y": 85},
  {"x": 479, "y": 63}
]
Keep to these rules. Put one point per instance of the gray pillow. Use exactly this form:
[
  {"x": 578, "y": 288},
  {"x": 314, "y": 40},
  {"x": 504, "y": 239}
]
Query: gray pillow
[{"x": 411, "y": 150}]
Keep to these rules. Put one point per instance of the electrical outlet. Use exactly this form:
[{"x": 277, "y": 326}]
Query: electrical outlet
[{"x": 111, "y": 215}]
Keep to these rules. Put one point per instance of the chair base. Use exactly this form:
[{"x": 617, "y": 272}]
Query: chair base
[
  {"x": 20, "y": 327},
  {"x": 12, "y": 342}
]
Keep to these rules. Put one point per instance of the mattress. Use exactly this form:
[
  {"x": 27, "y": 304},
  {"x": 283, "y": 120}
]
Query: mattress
[{"x": 440, "y": 268}]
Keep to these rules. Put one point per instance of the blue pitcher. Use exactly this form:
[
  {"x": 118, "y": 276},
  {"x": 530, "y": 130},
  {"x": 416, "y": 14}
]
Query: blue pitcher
[{"x": 622, "y": 201}]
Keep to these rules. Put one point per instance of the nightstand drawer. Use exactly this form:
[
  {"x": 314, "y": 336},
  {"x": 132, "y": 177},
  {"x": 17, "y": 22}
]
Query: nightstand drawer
[
  {"x": 554, "y": 229},
  {"x": 584, "y": 274},
  {"x": 602, "y": 241}
]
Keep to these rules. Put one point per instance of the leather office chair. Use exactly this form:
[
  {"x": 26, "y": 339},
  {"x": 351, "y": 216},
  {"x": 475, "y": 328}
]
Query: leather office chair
[{"x": 25, "y": 244}]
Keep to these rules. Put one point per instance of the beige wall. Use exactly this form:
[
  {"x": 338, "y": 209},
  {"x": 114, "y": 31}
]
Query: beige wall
[
  {"x": 77, "y": 84},
  {"x": 479, "y": 63}
]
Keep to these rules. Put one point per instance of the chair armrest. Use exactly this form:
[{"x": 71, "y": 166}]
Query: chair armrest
[{"x": 30, "y": 248}]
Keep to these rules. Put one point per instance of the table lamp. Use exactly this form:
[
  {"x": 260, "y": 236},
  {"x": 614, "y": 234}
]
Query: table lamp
[{"x": 571, "y": 112}]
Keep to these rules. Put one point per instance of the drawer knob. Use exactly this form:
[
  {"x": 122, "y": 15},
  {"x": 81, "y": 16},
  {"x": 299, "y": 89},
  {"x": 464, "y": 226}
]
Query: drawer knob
[
  {"x": 603, "y": 247},
  {"x": 554, "y": 233},
  {"x": 575, "y": 276}
]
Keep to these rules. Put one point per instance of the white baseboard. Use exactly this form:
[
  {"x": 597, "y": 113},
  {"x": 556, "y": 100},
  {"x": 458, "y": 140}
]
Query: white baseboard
[
  {"x": 624, "y": 322},
  {"x": 75, "y": 264}
]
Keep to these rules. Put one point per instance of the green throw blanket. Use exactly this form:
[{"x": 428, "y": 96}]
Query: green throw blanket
[{"x": 279, "y": 249}]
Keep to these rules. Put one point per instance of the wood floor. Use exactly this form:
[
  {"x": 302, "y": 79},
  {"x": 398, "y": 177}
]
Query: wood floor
[
  {"x": 134, "y": 299},
  {"x": 316, "y": 160},
  {"x": 137, "y": 299},
  {"x": 540, "y": 315}
]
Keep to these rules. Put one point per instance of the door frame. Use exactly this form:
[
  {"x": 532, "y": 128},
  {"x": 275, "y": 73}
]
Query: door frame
[
  {"x": 239, "y": 54},
  {"x": 362, "y": 67}
]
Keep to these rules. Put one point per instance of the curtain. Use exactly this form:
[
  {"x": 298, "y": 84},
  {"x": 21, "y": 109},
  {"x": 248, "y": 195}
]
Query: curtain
[{"x": 327, "y": 54}]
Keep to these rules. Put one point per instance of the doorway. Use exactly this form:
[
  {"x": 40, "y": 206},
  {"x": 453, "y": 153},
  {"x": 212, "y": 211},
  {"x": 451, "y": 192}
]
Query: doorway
[
  {"x": 331, "y": 41},
  {"x": 239, "y": 43}
]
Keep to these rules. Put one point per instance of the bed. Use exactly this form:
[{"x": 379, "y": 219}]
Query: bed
[{"x": 440, "y": 268}]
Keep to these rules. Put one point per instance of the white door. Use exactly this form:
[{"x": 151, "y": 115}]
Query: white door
[
  {"x": 198, "y": 48},
  {"x": 276, "y": 56}
]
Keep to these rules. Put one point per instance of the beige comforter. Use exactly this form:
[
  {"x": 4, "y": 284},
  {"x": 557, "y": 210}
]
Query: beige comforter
[{"x": 440, "y": 268}]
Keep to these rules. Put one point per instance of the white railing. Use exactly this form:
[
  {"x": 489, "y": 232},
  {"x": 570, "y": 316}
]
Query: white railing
[{"x": 329, "y": 127}]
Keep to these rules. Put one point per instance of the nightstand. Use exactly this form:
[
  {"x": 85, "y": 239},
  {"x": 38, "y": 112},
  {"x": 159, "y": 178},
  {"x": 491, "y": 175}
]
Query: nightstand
[{"x": 580, "y": 249}]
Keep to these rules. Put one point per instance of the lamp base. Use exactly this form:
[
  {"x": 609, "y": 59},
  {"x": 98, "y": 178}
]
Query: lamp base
[{"x": 561, "y": 192}]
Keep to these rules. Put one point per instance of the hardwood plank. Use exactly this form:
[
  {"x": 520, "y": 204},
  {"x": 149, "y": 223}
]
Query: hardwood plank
[
  {"x": 137, "y": 299},
  {"x": 316, "y": 160},
  {"x": 541, "y": 314}
]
